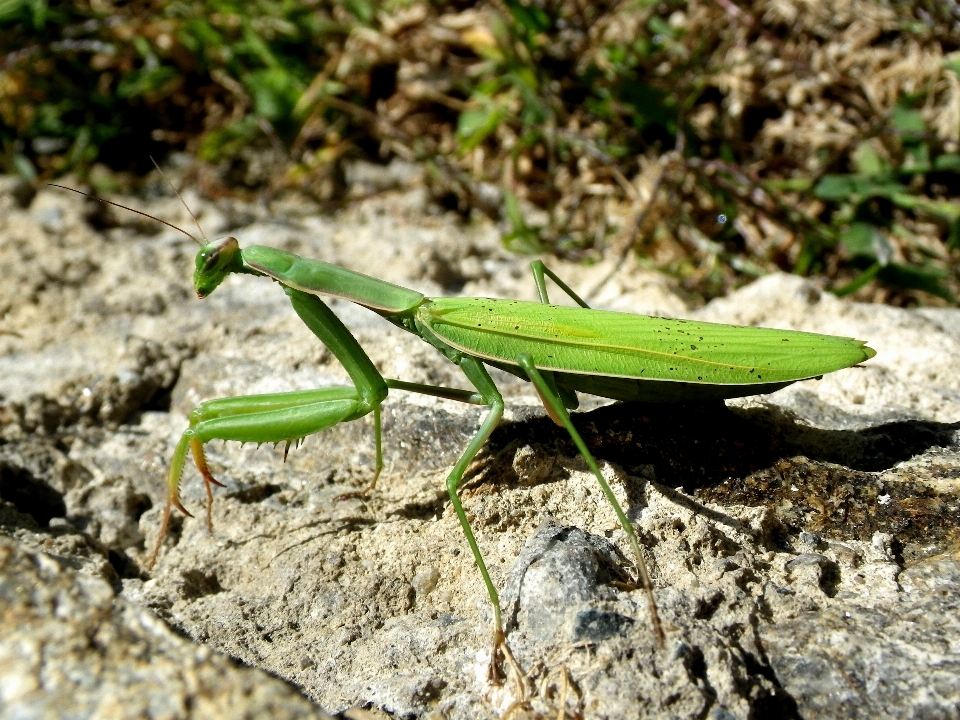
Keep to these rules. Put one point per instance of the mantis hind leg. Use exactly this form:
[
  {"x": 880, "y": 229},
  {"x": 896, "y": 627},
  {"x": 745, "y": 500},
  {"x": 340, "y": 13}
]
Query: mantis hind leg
[
  {"x": 539, "y": 270},
  {"x": 569, "y": 397},
  {"x": 281, "y": 417},
  {"x": 554, "y": 406}
]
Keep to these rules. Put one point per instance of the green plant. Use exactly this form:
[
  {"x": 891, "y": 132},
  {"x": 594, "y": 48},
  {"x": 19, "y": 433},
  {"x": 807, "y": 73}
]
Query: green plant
[
  {"x": 87, "y": 83},
  {"x": 624, "y": 127},
  {"x": 868, "y": 207}
]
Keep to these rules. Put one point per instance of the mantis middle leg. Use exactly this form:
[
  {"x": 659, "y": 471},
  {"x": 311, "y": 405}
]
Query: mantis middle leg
[{"x": 481, "y": 380}]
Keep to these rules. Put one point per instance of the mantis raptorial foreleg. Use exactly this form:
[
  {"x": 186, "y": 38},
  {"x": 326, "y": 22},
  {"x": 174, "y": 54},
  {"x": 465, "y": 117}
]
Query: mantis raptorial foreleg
[
  {"x": 281, "y": 417},
  {"x": 555, "y": 408},
  {"x": 371, "y": 387}
]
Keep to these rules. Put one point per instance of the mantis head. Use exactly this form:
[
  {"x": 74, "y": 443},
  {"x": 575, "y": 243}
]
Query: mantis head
[{"x": 215, "y": 261}]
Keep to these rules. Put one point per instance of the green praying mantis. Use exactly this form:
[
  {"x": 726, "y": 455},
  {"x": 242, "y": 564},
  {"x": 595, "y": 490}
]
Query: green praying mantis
[{"x": 561, "y": 350}]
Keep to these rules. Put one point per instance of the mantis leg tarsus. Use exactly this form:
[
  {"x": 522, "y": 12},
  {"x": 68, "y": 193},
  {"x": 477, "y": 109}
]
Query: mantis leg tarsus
[
  {"x": 378, "y": 444},
  {"x": 209, "y": 490},
  {"x": 546, "y": 388},
  {"x": 164, "y": 526},
  {"x": 200, "y": 460}
]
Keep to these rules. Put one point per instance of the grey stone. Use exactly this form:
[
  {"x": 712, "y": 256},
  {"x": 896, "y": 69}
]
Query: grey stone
[
  {"x": 862, "y": 659},
  {"x": 72, "y": 649}
]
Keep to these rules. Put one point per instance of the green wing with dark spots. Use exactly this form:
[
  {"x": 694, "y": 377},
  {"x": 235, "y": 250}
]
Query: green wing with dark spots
[{"x": 611, "y": 344}]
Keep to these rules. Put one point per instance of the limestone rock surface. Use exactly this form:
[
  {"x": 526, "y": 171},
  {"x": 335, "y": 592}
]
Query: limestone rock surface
[{"x": 803, "y": 545}]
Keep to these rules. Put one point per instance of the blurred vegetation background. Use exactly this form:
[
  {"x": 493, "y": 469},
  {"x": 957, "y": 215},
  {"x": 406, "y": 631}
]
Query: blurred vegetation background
[{"x": 716, "y": 140}]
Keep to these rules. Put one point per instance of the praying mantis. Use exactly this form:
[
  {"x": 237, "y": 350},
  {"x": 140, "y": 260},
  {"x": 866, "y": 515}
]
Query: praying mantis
[{"x": 561, "y": 350}]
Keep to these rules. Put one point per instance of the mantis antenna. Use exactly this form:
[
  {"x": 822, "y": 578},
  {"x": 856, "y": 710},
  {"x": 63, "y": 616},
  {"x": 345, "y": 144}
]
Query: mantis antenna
[
  {"x": 197, "y": 222},
  {"x": 164, "y": 222},
  {"x": 146, "y": 215}
]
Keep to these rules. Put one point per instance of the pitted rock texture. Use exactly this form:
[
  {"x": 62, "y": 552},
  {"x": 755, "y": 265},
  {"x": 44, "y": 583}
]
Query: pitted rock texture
[{"x": 803, "y": 545}]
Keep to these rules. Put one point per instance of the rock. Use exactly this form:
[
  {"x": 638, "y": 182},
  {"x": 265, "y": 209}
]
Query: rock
[
  {"x": 863, "y": 658},
  {"x": 800, "y": 543},
  {"x": 73, "y": 649}
]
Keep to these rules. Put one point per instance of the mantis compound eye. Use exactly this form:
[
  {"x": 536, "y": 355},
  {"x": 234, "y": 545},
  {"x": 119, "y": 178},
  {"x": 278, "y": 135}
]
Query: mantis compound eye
[{"x": 211, "y": 260}]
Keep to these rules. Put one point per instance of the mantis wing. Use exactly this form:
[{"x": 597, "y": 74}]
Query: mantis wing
[{"x": 600, "y": 344}]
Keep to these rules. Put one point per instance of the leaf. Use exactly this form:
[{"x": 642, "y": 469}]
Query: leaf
[
  {"x": 360, "y": 9},
  {"x": 651, "y": 106},
  {"x": 865, "y": 240},
  {"x": 198, "y": 36},
  {"x": 38, "y": 12},
  {"x": 534, "y": 110},
  {"x": 913, "y": 277},
  {"x": 522, "y": 238},
  {"x": 533, "y": 19},
  {"x": 229, "y": 140},
  {"x": 845, "y": 187},
  {"x": 24, "y": 168},
  {"x": 33, "y": 11},
  {"x": 908, "y": 122},
  {"x": 797, "y": 184},
  {"x": 947, "y": 163},
  {"x": 941, "y": 208},
  {"x": 858, "y": 282},
  {"x": 10, "y": 10},
  {"x": 138, "y": 83},
  {"x": 868, "y": 161},
  {"x": 659, "y": 26},
  {"x": 275, "y": 92},
  {"x": 953, "y": 241},
  {"x": 834, "y": 187},
  {"x": 917, "y": 158},
  {"x": 473, "y": 126}
]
